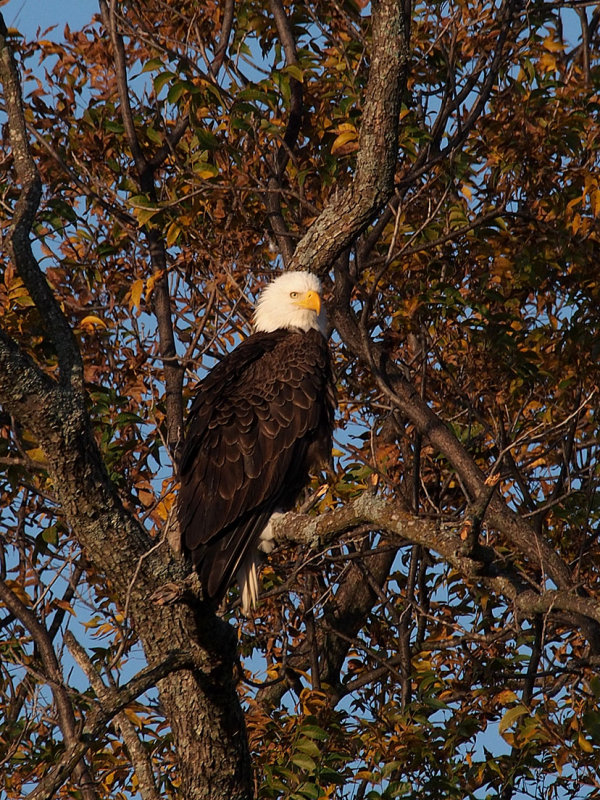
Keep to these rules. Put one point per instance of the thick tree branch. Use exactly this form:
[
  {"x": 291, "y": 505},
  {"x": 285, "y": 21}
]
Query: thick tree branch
[
  {"x": 203, "y": 709},
  {"x": 485, "y": 568},
  {"x": 354, "y": 207},
  {"x": 116, "y": 543},
  {"x": 405, "y": 397}
]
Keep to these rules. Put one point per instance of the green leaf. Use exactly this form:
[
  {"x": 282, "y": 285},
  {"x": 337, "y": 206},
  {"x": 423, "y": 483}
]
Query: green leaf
[
  {"x": 144, "y": 215},
  {"x": 295, "y": 71},
  {"x": 310, "y": 790},
  {"x": 511, "y": 716},
  {"x": 314, "y": 732},
  {"x": 207, "y": 140},
  {"x": 50, "y": 535},
  {"x": 162, "y": 79},
  {"x": 304, "y": 761},
  {"x": 154, "y": 63},
  {"x": 309, "y": 747},
  {"x": 113, "y": 126},
  {"x": 176, "y": 91}
]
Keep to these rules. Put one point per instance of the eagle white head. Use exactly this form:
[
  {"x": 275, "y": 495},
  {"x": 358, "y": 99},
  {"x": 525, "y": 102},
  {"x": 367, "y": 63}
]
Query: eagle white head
[{"x": 293, "y": 300}]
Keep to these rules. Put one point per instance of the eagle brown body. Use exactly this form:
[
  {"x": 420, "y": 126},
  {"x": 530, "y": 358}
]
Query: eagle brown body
[{"x": 261, "y": 421}]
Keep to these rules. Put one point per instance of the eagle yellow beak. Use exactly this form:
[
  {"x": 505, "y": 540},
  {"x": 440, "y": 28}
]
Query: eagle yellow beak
[{"x": 310, "y": 300}]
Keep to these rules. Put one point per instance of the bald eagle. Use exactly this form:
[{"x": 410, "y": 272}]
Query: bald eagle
[{"x": 261, "y": 420}]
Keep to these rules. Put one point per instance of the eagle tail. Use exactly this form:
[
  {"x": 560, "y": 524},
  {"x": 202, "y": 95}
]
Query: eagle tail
[
  {"x": 247, "y": 573},
  {"x": 247, "y": 578}
]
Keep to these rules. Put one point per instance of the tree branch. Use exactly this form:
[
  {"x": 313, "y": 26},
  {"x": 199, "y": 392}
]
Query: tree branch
[
  {"x": 110, "y": 23},
  {"x": 62, "y": 701},
  {"x": 114, "y": 541},
  {"x": 161, "y": 299},
  {"x": 18, "y": 240},
  {"x": 387, "y": 514},
  {"x": 405, "y": 397},
  {"x": 290, "y": 137},
  {"x": 109, "y": 697},
  {"x": 354, "y": 207},
  {"x": 224, "y": 35},
  {"x": 98, "y": 720}
]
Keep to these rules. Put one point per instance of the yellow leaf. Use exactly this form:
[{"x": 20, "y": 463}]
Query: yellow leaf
[
  {"x": 348, "y": 134},
  {"x": 65, "y": 606},
  {"x": 143, "y": 214},
  {"x": 38, "y": 455},
  {"x": 584, "y": 743},
  {"x": 466, "y": 192},
  {"x": 152, "y": 281},
  {"x": 135, "y": 293},
  {"x": 312, "y": 700},
  {"x": 560, "y": 759},
  {"x": 552, "y": 45},
  {"x": 134, "y": 718},
  {"x": 173, "y": 232},
  {"x": 547, "y": 63},
  {"x": 19, "y": 591},
  {"x": 364, "y": 775},
  {"x": 505, "y": 697},
  {"x": 163, "y": 508},
  {"x": 92, "y": 320}
]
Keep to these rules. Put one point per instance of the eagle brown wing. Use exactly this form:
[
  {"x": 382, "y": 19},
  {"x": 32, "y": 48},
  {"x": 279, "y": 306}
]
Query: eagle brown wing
[{"x": 261, "y": 420}]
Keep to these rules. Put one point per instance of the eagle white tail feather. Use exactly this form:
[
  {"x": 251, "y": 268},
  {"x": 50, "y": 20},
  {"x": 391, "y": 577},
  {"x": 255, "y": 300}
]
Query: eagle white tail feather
[
  {"x": 247, "y": 578},
  {"x": 247, "y": 574}
]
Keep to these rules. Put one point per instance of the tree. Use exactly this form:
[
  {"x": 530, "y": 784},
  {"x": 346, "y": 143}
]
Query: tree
[{"x": 437, "y": 165}]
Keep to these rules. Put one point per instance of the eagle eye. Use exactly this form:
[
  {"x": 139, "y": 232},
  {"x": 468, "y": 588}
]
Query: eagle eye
[{"x": 294, "y": 294}]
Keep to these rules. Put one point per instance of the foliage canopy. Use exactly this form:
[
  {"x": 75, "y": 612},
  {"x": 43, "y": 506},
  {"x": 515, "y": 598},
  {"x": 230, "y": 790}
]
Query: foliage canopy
[{"x": 430, "y": 627}]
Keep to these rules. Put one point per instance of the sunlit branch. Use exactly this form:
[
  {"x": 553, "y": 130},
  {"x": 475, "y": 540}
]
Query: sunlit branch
[
  {"x": 352, "y": 209},
  {"x": 386, "y": 514}
]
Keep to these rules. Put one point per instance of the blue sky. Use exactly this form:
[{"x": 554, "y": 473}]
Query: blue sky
[{"x": 29, "y": 15}]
